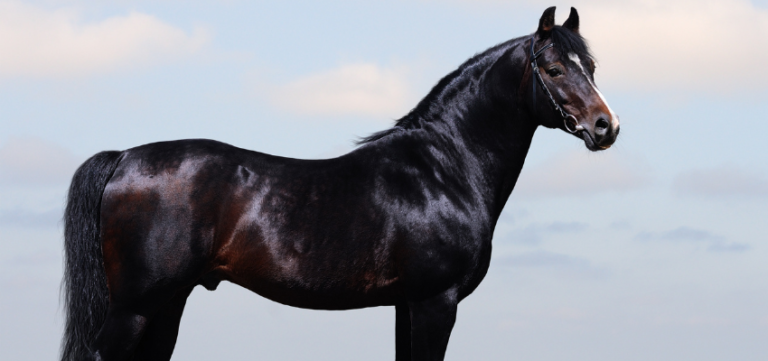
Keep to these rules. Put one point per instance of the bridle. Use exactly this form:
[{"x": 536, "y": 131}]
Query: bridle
[{"x": 563, "y": 114}]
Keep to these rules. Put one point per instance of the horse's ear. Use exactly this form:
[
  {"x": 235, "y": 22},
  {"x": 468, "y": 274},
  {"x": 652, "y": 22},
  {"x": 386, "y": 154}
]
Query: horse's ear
[
  {"x": 572, "y": 23},
  {"x": 547, "y": 21}
]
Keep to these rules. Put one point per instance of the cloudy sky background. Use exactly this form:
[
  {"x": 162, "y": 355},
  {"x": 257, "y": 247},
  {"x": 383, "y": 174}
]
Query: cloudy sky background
[{"x": 653, "y": 250}]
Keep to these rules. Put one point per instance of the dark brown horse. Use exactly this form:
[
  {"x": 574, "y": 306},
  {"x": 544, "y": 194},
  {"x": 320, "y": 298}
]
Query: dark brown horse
[{"x": 404, "y": 220}]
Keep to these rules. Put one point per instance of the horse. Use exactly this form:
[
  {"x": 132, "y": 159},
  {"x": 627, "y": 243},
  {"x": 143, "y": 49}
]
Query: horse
[{"x": 406, "y": 219}]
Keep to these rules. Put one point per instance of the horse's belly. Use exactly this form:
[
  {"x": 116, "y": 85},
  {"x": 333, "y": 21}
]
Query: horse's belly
[
  {"x": 318, "y": 292},
  {"x": 315, "y": 280}
]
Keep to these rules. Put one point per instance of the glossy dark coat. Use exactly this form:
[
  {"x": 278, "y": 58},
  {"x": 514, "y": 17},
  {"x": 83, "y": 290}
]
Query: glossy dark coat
[{"x": 406, "y": 219}]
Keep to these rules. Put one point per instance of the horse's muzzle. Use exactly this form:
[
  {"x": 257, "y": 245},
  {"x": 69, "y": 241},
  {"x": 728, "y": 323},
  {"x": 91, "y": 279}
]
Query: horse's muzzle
[{"x": 601, "y": 135}]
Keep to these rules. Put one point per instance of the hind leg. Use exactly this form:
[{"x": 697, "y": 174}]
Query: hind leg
[
  {"x": 130, "y": 322},
  {"x": 159, "y": 339},
  {"x": 119, "y": 335},
  {"x": 149, "y": 259},
  {"x": 145, "y": 294}
]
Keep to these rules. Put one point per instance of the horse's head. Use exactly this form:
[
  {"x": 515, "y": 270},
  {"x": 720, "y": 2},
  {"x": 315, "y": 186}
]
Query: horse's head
[{"x": 562, "y": 85}]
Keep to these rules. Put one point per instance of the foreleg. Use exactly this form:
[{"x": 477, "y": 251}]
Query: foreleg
[
  {"x": 432, "y": 320},
  {"x": 402, "y": 332}
]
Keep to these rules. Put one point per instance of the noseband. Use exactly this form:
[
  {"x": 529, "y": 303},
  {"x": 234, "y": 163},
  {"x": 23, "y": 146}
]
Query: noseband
[{"x": 570, "y": 128}]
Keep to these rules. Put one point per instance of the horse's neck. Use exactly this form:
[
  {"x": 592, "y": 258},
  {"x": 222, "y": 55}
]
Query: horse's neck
[
  {"x": 491, "y": 135},
  {"x": 509, "y": 164},
  {"x": 490, "y": 159}
]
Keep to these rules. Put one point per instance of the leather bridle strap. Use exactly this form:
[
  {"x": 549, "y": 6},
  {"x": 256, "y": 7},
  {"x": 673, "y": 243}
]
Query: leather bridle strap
[{"x": 572, "y": 128}]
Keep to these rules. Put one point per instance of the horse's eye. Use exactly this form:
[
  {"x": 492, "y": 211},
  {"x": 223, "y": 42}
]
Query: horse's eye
[{"x": 554, "y": 71}]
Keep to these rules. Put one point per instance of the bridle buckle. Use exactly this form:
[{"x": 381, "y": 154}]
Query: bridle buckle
[{"x": 572, "y": 126}]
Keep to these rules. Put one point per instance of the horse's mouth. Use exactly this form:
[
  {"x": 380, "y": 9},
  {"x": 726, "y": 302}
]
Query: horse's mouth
[{"x": 590, "y": 143}]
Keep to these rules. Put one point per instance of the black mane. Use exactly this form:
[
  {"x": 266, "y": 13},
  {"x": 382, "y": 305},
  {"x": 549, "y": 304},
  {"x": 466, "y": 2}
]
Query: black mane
[
  {"x": 566, "y": 41},
  {"x": 462, "y": 74}
]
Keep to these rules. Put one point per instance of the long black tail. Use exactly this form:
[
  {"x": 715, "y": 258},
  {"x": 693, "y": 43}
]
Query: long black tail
[{"x": 85, "y": 281}]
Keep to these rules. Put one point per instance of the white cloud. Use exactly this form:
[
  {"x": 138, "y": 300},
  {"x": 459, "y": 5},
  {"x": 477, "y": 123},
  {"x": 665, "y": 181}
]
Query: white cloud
[
  {"x": 682, "y": 234},
  {"x": 355, "y": 89},
  {"x": 534, "y": 233},
  {"x": 581, "y": 173},
  {"x": 42, "y": 43},
  {"x": 717, "y": 243},
  {"x": 709, "y": 45},
  {"x": 544, "y": 258},
  {"x": 724, "y": 180},
  {"x": 31, "y": 161},
  {"x": 572, "y": 266}
]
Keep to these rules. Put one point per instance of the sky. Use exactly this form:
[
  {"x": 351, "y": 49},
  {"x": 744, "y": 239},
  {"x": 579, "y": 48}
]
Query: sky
[{"x": 652, "y": 250}]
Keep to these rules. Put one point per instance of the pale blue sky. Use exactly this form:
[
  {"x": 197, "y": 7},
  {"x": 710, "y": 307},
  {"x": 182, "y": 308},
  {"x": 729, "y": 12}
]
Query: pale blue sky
[{"x": 653, "y": 250}]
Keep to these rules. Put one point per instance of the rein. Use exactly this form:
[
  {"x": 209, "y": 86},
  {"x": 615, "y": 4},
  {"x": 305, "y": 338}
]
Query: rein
[{"x": 563, "y": 114}]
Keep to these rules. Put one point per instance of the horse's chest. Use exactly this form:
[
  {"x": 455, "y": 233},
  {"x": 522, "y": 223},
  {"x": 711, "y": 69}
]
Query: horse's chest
[{"x": 458, "y": 260}]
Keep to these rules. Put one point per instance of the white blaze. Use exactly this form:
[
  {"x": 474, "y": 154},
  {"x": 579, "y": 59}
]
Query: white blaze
[{"x": 614, "y": 119}]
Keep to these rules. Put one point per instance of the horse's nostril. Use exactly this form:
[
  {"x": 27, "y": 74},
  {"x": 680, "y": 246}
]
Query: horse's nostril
[{"x": 601, "y": 127}]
